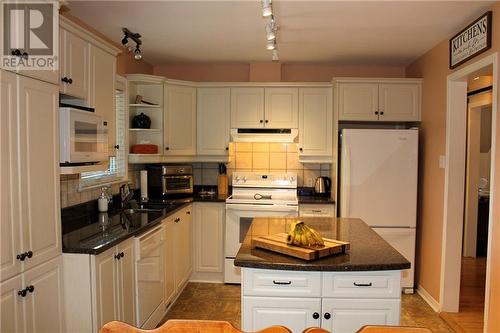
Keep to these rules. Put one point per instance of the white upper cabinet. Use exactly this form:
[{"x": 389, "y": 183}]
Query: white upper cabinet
[
  {"x": 102, "y": 90},
  {"x": 255, "y": 107},
  {"x": 247, "y": 107},
  {"x": 179, "y": 117},
  {"x": 399, "y": 102},
  {"x": 382, "y": 100},
  {"x": 74, "y": 65},
  {"x": 316, "y": 122},
  {"x": 213, "y": 118},
  {"x": 358, "y": 101},
  {"x": 281, "y": 108}
]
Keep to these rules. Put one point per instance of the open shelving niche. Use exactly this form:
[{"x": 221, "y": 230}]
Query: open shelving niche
[{"x": 151, "y": 89}]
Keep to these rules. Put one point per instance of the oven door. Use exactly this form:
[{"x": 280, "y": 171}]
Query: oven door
[
  {"x": 177, "y": 184},
  {"x": 238, "y": 220},
  {"x": 88, "y": 141}
]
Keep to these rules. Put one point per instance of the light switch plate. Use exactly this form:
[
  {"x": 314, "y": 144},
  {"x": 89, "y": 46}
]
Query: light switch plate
[{"x": 442, "y": 161}]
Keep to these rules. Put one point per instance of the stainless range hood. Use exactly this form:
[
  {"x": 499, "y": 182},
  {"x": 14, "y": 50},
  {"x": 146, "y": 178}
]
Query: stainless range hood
[{"x": 264, "y": 134}]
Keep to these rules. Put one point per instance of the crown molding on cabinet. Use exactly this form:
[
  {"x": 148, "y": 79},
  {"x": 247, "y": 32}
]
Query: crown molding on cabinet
[{"x": 375, "y": 80}]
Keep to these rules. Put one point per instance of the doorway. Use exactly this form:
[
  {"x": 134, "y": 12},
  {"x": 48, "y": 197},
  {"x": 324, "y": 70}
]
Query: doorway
[
  {"x": 469, "y": 317},
  {"x": 454, "y": 227}
]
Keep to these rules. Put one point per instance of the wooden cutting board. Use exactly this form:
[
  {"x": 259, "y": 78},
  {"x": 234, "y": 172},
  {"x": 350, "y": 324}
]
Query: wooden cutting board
[{"x": 277, "y": 243}]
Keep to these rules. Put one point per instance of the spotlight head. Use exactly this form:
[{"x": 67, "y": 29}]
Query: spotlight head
[
  {"x": 271, "y": 30},
  {"x": 267, "y": 9},
  {"x": 137, "y": 53},
  {"x": 125, "y": 41},
  {"x": 271, "y": 45},
  {"x": 275, "y": 55}
]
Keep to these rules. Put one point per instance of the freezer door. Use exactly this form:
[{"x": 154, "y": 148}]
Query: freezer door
[
  {"x": 403, "y": 240},
  {"x": 379, "y": 176}
]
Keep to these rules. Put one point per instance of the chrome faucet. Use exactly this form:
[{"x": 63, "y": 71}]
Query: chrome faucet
[{"x": 126, "y": 194}]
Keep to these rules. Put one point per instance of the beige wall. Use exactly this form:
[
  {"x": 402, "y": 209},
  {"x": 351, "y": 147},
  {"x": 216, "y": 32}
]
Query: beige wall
[
  {"x": 433, "y": 67},
  {"x": 265, "y": 72}
]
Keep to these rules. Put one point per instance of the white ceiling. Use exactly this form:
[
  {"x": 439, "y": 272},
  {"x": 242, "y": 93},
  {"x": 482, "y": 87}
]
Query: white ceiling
[{"x": 345, "y": 32}]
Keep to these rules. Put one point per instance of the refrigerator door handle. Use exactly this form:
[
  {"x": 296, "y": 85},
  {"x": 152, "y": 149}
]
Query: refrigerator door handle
[{"x": 346, "y": 180}]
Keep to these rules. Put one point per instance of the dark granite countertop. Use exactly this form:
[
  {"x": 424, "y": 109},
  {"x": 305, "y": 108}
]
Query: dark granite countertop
[
  {"x": 368, "y": 251},
  {"x": 315, "y": 199}
]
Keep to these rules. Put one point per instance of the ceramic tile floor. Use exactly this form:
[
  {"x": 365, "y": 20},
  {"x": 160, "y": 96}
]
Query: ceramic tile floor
[{"x": 212, "y": 301}]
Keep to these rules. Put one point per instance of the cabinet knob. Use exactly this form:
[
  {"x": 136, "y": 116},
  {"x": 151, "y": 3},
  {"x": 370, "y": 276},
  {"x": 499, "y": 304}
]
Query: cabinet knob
[
  {"x": 267, "y": 121},
  {"x": 70, "y": 80},
  {"x": 261, "y": 121},
  {"x": 227, "y": 148},
  {"x": 117, "y": 147},
  {"x": 64, "y": 79},
  {"x": 376, "y": 112},
  {"x": 25, "y": 55},
  {"x": 315, "y": 315},
  {"x": 301, "y": 149},
  {"x": 381, "y": 113},
  {"x": 188, "y": 212},
  {"x": 16, "y": 52},
  {"x": 29, "y": 254},
  {"x": 21, "y": 256},
  {"x": 122, "y": 254},
  {"x": 166, "y": 148},
  {"x": 22, "y": 292},
  {"x": 118, "y": 256},
  {"x": 30, "y": 288},
  {"x": 327, "y": 316},
  {"x": 177, "y": 220}
]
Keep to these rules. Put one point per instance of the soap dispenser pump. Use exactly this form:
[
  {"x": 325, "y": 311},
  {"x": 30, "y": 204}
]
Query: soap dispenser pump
[{"x": 103, "y": 200}]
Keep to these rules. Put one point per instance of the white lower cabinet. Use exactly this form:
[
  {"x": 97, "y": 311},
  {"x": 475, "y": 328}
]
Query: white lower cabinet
[
  {"x": 99, "y": 288},
  {"x": 33, "y": 301},
  {"x": 340, "y": 302},
  {"x": 293, "y": 313},
  {"x": 349, "y": 315}
]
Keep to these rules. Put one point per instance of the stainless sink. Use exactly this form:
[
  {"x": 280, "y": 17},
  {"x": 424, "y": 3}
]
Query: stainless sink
[{"x": 141, "y": 210}]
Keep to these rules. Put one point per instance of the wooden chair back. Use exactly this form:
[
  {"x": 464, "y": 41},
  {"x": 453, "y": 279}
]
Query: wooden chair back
[
  {"x": 186, "y": 326},
  {"x": 376, "y": 329}
]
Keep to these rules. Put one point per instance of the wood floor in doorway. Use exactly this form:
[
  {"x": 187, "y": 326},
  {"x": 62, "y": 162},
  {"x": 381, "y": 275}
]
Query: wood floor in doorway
[
  {"x": 211, "y": 301},
  {"x": 470, "y": 318}
]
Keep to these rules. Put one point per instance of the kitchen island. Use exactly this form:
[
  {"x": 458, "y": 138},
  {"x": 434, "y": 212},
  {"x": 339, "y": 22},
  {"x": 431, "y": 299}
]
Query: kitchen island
[{"x": 340, "y": 293}]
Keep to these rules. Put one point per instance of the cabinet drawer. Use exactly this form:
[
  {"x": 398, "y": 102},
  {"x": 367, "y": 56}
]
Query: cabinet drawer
[
  {"x": 260, "y": 282},
  {"x": 381, "y": 284},
  {"x": 317, "y": 210}
]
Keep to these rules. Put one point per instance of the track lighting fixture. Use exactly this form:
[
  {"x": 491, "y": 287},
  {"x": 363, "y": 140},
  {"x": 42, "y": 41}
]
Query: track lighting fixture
[
  {"x": 136, "y": 37},
  {"x": 271, "y": 45},
  {"x": 267, "y": 9},
  {"x": 271, "y": 29}
]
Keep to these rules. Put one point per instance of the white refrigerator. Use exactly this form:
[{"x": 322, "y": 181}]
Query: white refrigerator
[{"x": 378, "y": 184}]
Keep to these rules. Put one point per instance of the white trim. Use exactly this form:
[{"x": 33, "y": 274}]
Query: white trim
[
  {"x": 74, "y": 28},
  {"x": 428, "y": 298},
  {"x": 453, "y": 222},
  {"x": 376, "y": 80}
]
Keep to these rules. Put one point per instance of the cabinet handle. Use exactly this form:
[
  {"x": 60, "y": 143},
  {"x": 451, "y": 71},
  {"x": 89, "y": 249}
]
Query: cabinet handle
[
  {"x": 65, "y": 79},
  {"x": 22, "y": 292},
  {"x": 376, "y": 112},
  {"x": 316, "y": 211},
  {"x": 117, "y": 147},
  {"x": 362, "y": 284},
  {"x": 177, "y": 220},
  {"x": 327, "y": 316},
  {"x": 30, "y": 288},
  {"x": 21, "y": 256},
  {"x": 315, "y": 315},
  {"x": 16, "y": 52},
  {"x": 118, "y": 256},
  {"x": 282, "y": 282}
]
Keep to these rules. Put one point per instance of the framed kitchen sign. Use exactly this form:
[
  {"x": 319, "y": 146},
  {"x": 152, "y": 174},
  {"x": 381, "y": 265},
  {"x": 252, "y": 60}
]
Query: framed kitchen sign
[{"x": 471, "y": 41}]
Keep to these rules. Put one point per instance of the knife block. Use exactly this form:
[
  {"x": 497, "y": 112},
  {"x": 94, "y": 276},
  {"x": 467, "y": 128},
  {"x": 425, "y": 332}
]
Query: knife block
[{"x": 222, "y": 187}]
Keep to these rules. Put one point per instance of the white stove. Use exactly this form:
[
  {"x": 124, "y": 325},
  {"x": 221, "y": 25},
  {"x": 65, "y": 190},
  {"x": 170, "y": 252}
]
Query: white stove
[{"x": 255, "y": 195}]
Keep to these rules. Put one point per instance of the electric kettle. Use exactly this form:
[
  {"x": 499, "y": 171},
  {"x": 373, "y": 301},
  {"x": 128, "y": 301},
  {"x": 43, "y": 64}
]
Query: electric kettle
[{"x": 322, "y": 185}]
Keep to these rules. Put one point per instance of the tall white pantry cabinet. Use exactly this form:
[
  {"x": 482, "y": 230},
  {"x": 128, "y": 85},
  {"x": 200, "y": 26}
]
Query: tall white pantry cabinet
[{"x": 31, "y": 297}]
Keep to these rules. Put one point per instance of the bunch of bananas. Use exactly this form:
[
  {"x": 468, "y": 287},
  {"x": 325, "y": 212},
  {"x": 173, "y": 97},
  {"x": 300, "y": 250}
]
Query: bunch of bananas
[{"x": 304, "y": 236}]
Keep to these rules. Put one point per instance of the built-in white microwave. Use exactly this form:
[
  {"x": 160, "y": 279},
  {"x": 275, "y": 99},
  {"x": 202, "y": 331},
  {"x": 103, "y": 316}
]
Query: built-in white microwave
[{"x": 83, "y": 137}]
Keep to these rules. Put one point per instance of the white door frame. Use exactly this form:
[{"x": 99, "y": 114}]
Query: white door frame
[{"x": 453, "y": 218}]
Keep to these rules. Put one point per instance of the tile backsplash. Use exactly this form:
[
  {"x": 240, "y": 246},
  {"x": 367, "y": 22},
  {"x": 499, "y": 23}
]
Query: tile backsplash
[{"x": 262, "y": 157}]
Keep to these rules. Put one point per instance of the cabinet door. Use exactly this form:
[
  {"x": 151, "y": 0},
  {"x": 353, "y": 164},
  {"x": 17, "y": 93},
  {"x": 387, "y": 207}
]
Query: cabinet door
[
  {"x": 187, "y": 237},
  {"x": 102, "y": 90},
  {"x": 183, "y": 258},
  {"x": 106, "y": 297},
  {"x": 126, "y": 282},
  {"x": 170, "y": 258},
  {"x": 297, "y": 314},
  {"x": 349, "y": 315},
  {"x": 76, "y": 65},
  {"x": 316, "y": 122},
  {"x": 399, "y": 101},
  {"x": 44, "y": 305},
  {"x": 10, "y": 228},
  {"x": 358, "y": 101},
  {"x": 281, "y": 109},
  {"x": 39, "y": 169},
  {"x": 179, "y": 128},
  {"x": 11, "y": 306},
  {"x": 213, "y": 118},
  {"x": 247, "y": 107},
  {"x": 209, "y": 237}
]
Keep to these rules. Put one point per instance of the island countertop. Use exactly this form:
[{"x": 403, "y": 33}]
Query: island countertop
[{"x": 368, "y": 251}]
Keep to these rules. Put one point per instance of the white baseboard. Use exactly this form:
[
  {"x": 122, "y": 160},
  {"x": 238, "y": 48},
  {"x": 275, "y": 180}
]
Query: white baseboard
[{"x": 428, "y": 298}]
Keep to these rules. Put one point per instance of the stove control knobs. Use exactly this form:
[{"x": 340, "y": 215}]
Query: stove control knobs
[
  {"x": 245, "y": 179},
  {"x": 237, "y": 178},
  {"x": 291, "y": 179}
]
